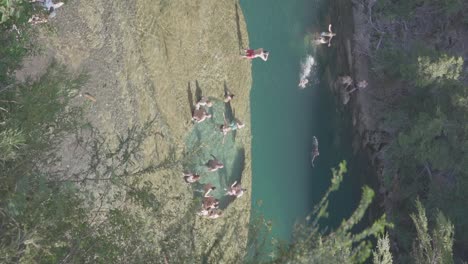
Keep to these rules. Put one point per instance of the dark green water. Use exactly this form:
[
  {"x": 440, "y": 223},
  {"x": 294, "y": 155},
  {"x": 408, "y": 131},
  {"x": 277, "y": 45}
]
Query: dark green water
[{"x": 284, "y": 118}]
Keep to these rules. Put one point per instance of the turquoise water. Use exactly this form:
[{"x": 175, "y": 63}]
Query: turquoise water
[{"x": 285, "y": 118}]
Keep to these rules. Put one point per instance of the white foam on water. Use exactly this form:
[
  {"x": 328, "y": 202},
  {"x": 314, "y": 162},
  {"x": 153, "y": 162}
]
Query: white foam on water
[{"x": 306, "y": 70}]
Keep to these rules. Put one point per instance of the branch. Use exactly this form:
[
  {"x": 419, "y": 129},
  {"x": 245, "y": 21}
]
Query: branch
[{"x": 426, "y": 166}]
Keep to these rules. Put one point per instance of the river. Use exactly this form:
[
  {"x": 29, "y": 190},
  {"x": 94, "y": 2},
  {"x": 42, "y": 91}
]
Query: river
[{"x": 285, "y": 118}]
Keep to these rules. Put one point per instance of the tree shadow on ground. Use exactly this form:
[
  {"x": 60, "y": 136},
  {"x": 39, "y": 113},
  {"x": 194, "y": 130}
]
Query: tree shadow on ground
[
  {"x": 106, "y": 162},
  {"x": 216, "y": 251},
  {"x": 180, "y": 236}
]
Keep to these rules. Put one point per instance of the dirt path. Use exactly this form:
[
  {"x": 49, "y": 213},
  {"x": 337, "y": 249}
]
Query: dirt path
[{"x": 149, "y": 60}]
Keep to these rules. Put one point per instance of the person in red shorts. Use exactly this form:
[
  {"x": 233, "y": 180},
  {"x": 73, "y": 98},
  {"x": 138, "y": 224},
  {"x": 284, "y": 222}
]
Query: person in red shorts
[{"x": 258, "y": 53}]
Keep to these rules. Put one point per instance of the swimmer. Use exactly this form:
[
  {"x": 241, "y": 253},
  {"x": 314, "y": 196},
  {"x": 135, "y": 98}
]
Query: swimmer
[
  {"x": 315, "y": 150},
  {"x": 303, "y": 83}
]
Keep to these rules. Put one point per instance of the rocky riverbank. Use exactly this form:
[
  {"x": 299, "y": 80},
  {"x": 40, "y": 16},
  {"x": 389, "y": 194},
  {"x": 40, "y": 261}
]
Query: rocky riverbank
[
  {"x": 408, "y": 61},
  {"x": 362, "y": 104}
]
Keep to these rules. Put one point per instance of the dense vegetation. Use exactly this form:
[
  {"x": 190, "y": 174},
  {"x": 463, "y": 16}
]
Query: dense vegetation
[
  {"x": 46, "y": 218},
  {"x": 311, "y": 243},
  {"x": 54, "y": 216},
  {"x": 417, "y": 55}
]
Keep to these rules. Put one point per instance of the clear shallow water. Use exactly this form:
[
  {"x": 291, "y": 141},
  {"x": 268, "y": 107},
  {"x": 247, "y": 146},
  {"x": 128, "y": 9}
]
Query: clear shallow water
[{"x": 284, "y": 118}]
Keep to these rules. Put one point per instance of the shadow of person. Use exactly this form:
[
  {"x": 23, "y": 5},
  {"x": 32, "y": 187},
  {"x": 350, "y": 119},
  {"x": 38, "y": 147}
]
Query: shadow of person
[
  {"x": 227, "y": 93},
  {"x": 190, "y": 98},
  {"x": 230, "y": 115},
  {"x": 234, "y": 175},
  {"x": 226, "y": 89},
  {"x": 229, "y": 112},
  {"x": 239, "y": 33},
  {"x": 198, "y": 92}
]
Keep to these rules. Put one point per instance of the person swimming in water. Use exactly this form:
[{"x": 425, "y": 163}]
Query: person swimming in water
[
  {"x": 303, "y": 83},
  {"x": 258, "y": 53},
  {"x": 307, "y": 66},
  {"x": 315, "y": 150}
]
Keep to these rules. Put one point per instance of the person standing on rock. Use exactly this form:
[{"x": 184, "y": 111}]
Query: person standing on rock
[
  {"x": 199, "y": 115},
  {"x": 228, "y": 96},
  {"x": 191, "y": 177},
  {"x": 328, "y": 35},
  {"x": 214, "y": 165},
  {"x": 235, "y": 190},
  {"x": 258, "y": 53},
  {"x": 204, "y": 101}
]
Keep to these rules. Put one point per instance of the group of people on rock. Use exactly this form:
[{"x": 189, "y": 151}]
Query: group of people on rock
[
  {"x": 210, "y": 205},
  {"x": 201, "y": 114}
]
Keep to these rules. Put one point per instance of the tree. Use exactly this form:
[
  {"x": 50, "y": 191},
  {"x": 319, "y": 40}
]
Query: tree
[
  {"x": 382, "y": 254},
  {"x": 10, "y": 142},
  {"x": 436, "y": 248},
  {"x": 10, "y": 9},
  {"x": 311, "y": 244},
  {"x": 442, "y": 68}
]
